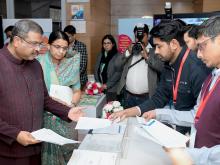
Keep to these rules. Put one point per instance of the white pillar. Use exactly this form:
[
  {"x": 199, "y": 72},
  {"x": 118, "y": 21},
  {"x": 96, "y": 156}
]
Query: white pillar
[
  {"x": 10, "y": 9},
  {"x": 63, "y": 13}
]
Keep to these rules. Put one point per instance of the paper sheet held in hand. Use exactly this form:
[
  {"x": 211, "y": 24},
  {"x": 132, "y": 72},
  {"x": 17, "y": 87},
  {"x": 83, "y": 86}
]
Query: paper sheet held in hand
[
  {"x": 162, "y": 134},
  {"x": 50, "y": 136}
]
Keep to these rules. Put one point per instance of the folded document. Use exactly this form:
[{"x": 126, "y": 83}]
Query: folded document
[
  {"x": 63, "y": 93},
  {"x": 162, "y": 134},
  {"x": 88, "y": 123},
  {"x": 112, "y": 130}
]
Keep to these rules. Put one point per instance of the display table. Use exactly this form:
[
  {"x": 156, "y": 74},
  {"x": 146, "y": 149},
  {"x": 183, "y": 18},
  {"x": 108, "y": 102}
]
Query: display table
[
  {"x": 131, "y": 148},
  {"x": 139, "y": 150},
  {"x": 93, "y": 108},
  {"x": 93, "y": 104}
]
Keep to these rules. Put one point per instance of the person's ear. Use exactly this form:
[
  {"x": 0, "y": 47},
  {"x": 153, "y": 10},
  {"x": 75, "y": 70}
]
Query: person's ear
[
  {"x": 217, "y": 38},
  {"x": 216, "y": 43},
  {"x": 16, "y": 41},
  {"x": 147, "y": 35},
  {"x": 174, "y": 44}
]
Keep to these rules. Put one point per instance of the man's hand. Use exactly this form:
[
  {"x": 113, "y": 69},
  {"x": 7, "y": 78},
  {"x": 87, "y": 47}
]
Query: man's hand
[
  {"x": 144, "y": 52},
  {"x": 121, "y": 115},
  {"x": 25, "y": 138},
  {"x": 149, "y": 115},
  {"x": 124, "y": 114},
  {"x": 128, "y": 51},
  {"x": 75, "y": 113},
  {"x": 178, "y": 156},
  {"x": 130, "y": 48}
]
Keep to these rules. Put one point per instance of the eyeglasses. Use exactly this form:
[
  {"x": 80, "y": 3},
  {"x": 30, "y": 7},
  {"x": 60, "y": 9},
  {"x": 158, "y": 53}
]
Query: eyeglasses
[
  {"x": 202, "y": 45},
  {"x": 58, "y": 47},
  {"x": 33, "y": 44},
  {"x": 107, "y": 43}
]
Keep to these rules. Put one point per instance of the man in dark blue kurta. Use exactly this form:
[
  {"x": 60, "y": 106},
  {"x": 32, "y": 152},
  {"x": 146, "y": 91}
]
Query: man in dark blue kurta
[{"x": 24, "y": 97}]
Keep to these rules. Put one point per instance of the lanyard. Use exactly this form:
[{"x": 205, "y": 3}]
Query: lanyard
[
  {"x": 204, "y": 98},
  {"x": 175, "y": 88}
]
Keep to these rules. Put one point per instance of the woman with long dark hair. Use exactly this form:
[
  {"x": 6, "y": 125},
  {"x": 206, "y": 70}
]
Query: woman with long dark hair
[{"x": 109, "y": 67}]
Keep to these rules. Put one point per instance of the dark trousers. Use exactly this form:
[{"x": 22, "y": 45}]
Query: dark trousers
[
  {"x": 32, "y": 160},
  {"x": 111, "y": 96},
  {"x": 132, "y": 100}
]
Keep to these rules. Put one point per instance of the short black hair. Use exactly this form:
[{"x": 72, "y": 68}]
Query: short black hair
[
  {"x": 9, "y": 28},
  {"x": 192, "y": 30},
  {"x": 168, "y": 31},
  {"x": 146, "y": 29},
  {"x": 181, "y": 22},
  {"x": 70, "y": 29}
]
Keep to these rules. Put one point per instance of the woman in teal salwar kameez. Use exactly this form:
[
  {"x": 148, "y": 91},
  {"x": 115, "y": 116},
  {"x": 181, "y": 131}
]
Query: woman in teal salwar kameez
[{"x": 64, "y": 71}]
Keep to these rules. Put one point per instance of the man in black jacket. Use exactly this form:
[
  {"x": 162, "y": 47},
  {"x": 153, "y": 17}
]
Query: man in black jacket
[{"x": 181, "y": 79}]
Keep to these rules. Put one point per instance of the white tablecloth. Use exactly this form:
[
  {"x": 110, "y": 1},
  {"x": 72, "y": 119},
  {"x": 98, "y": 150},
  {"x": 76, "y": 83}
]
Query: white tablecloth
[{"x": 136, "y": 150}]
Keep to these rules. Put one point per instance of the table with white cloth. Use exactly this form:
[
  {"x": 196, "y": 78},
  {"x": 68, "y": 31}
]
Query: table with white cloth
[
  {"x": 139, "y": 150},
  {"x": 131, "y": 147}
]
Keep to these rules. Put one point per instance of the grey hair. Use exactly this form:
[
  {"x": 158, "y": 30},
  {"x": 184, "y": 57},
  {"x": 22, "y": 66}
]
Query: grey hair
[
  {"x": 210, "y": 27},
  {"x": 23, "y": 27}
]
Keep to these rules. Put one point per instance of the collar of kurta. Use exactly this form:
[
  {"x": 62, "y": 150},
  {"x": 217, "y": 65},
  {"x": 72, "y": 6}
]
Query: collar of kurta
[{"x": 10, "y": 57}]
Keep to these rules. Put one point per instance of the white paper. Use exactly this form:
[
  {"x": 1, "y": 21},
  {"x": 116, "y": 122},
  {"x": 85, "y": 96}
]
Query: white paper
[
  {"x": 92, "y": 123},
  {"x": 141, "y": 120},
  {"x": 112, "y": 130},
  {"x": 86, "y": 157},
  {"x": 50, "y": 136},
  {"x": 164, "y": 135},
  {"x": 63, "y": 93},
  {"x": 145, "y": 134}
]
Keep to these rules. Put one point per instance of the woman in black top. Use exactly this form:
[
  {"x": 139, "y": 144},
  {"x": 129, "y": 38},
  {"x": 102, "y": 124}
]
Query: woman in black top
[{"x": 109, "y": 67}]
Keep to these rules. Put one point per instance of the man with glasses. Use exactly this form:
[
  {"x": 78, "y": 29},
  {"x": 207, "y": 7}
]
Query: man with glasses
[
  {"x": 24, "y": 97},
  {"x": 181, "y": 79},
  {"x": 79, "y": 47},
  {"x": 204, "y": 118}
]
